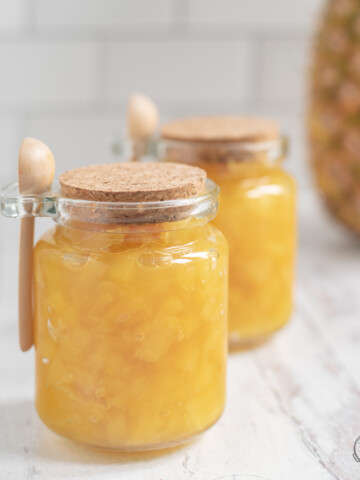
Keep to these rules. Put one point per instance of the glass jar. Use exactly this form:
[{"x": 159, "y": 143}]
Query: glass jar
[
  {"x": 257, "y": 214},
  {"x": 130, "y": 318}
]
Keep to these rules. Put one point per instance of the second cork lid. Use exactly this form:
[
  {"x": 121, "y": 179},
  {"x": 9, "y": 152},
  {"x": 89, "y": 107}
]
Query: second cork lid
[
  {"x": 222, "y": 129},
  {"x": 133, "y": 183}
]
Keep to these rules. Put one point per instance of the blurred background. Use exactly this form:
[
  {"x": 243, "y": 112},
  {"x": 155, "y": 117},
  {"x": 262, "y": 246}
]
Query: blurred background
[{"x": 69, "y": 66}]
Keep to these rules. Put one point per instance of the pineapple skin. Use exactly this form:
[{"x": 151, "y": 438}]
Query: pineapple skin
[{"x": 334, "y": 110}]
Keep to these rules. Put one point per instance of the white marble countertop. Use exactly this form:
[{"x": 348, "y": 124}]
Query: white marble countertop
[{"x": 293, "y": 409}]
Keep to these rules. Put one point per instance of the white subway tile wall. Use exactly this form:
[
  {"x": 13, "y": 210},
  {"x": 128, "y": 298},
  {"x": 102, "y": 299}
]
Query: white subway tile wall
[
  {"x": 180, "y": 71},
  {"x": 268, "y": 15},
  {"x": 38, "y": 74},
  {"x": 67, "y": 68},
  {"x": 84, "y": 139},
  {"x": 285, "y": 67},
  {"x": 12, "y": 15},
  {"x": 103, "y": 14}
]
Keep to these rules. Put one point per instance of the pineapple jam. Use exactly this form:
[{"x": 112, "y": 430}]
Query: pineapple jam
[
  {"x": 131, "y": 308},
  {"x": 257, "y": 214}
]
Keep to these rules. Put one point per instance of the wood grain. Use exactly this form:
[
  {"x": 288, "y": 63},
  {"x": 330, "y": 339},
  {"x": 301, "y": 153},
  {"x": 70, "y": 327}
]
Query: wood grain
[
  {"x": 26, "y": 321},
  {"x": 293, "y": 409}
]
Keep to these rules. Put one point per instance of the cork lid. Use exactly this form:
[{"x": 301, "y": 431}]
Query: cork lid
[
  {"x": 221, "y": 129},
  {"x": 132, "y": 185}
]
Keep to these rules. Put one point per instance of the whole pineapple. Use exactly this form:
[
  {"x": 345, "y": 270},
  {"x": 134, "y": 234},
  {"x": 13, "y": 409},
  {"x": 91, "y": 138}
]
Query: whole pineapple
[{"x": 334, "y": 116}]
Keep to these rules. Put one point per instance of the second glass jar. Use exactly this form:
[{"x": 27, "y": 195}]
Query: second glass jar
[{"x": 256, "y": 214}]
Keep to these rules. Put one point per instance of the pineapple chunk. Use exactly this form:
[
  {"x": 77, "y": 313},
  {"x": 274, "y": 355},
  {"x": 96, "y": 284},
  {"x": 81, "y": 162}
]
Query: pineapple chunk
[
  {"x": 257, "y": 216},
  {"x": 131, "y": 334}
]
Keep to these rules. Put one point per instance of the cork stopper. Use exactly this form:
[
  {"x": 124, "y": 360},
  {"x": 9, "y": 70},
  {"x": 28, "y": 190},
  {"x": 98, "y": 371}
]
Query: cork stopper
[
  {"x": 132, "y": 184},
  {"x": 221, "y": 139},
  {"x": 221, "y": 129}
]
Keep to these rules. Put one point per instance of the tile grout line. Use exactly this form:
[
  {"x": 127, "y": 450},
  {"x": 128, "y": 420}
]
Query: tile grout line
[{"x": 141, "y": 33}]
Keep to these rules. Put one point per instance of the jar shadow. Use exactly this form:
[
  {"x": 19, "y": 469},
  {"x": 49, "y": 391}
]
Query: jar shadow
[
  {"x": 246, "y": 347},
  {"x": 23, "y": 435},
  {"x": 243, "y": 347}
]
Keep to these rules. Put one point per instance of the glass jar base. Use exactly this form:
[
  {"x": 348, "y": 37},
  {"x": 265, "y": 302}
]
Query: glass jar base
[
  {"x": 157, "y": 447},
  {"x": 132, "y": 448},
  {"x": 238, "y": 342}
]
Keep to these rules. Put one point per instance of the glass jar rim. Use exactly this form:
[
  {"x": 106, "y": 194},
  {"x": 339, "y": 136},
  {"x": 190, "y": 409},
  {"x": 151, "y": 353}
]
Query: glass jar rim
[
  {"x": 65, "y": 210},
  {"x": 274, "y": 149}
]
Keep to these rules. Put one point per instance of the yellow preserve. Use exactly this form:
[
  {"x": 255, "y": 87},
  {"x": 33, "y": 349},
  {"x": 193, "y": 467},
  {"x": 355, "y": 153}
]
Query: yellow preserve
[
  {"x": 257, "y": 214},
  {"x": 131, "y": 321}
]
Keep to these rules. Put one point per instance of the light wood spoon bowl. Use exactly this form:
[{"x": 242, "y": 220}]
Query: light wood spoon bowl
[
  {"x": 35, "y": 176},
  {"x": 142, "y": 122}
]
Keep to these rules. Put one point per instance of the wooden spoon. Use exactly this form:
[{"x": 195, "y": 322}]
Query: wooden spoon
[
  {"x": 142, "y": 120},
  {"x": 35, "y": 175}
]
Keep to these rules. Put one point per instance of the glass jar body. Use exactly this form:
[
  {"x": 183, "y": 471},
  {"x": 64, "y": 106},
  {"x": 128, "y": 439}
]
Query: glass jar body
[
  {"x": 130, "y": 333},
  {"x": 257, "y": 215}
]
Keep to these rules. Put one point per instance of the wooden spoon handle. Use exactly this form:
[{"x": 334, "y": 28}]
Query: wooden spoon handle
[{"x": 26, "y": 321}]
